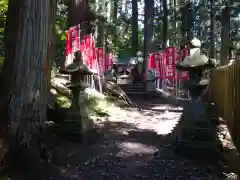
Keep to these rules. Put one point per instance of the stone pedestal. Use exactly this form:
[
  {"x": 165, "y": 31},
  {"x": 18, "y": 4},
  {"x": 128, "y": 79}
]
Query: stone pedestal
[
  {"x": 77, "y": 111},
  {"x": 196, "y": 129}
]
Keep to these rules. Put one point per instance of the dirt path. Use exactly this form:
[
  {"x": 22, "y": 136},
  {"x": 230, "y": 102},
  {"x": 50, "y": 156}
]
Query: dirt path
[{"x": 132, "y": 146}]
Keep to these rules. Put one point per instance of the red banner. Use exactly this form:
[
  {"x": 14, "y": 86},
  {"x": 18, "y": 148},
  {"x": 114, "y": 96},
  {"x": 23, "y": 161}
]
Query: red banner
[
  {"x": 90, "y": 46},
  {"x": 170, "y": 55},
  {"x": 72, "y": 43},
  {"x": 108, "y": 61},
  {"x": 151, "y": 61},
  {"x": 93, "y": 57},
  {"x": 183, "y": 75},
  {"x": 159, "y": 64},
  {"x": 85, "y": 57},
  {"x": 89, "y": 50},
  {"x": 101, "y": 59}
]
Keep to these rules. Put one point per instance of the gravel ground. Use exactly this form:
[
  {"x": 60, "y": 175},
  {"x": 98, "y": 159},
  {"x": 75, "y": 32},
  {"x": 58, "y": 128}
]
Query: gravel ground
[{"x": 136, "y": 145}]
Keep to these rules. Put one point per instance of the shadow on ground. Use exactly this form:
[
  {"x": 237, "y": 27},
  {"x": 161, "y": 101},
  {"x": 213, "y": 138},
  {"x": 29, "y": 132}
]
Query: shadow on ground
[{"x": 121, "y": 150}]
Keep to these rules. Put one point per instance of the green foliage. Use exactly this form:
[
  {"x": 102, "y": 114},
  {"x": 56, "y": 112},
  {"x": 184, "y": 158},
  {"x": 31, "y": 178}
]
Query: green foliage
[
  {"x": 63, "y": 101},
  {"x": 61, "y": 27},
  {"x": 3, "y": 14},
  {"x": 1, "y": 60},
  {"x": 4, "y": 5}
]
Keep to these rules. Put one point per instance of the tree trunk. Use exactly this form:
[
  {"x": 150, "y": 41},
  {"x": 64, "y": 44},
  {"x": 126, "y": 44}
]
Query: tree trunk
[
  {"x": 165, "y": 25},
  {"x": 212, "y": 31},
  {"x": 186, "y": 20},
  {"x": 114, "y": 20},
  {"x": 77, "y": 14},
  {"x": 101, "y": 32},
  {"x": 148, "y": 31},
  {"x": 25, "y": 73},
  {"x": 134, "y": 27},
  {"x": 225, "y": 36},
  {"x": 107, "y": 29}
]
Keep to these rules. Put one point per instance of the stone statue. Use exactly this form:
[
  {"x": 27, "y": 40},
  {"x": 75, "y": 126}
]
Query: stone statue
[{"x": 195, "y": 58}]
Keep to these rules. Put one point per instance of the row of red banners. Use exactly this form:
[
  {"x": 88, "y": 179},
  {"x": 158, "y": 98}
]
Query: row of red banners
[
  {"x": 94, "y": 57},
  {"x": 164, "y": 63}
]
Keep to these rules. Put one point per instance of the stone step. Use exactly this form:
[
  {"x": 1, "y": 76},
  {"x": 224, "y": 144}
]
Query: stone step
[
  {"x": 134, "y": 90},
  {"x": 135, "y": 93},
  {"x": 132, "y": 87}
]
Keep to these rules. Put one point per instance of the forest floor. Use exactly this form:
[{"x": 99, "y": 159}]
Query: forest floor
[{"x": 132, "y": 145}]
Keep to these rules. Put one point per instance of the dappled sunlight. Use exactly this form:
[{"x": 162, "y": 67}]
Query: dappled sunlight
[
  {"x": 166, "y": 107},
  {"x": 161, "y": 123},
  {"x": 166, "y": 127},
  {"x": 135, "y": 148}
]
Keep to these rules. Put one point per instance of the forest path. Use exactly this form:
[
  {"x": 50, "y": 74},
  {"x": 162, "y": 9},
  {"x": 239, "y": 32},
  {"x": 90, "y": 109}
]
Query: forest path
[{"x": 135, "y": 145}]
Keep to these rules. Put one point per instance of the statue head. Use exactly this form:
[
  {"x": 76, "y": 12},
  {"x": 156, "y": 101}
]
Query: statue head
[
  {"x": 195, "y": 43},
  {"x": 78, "y": 54},
  {"x": 139, "y": 54}
]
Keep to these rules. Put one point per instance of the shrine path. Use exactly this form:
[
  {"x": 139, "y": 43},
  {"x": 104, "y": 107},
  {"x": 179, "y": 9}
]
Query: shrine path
[{"x": 135, "y": 146}]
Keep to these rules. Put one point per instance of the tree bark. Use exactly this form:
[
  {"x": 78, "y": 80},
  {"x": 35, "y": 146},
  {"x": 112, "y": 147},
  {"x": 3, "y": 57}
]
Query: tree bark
[
  {"x": 212, "y": 30},
  {"x": 134, "y": 27},
  {"x": 186, "y": 21},
  {"x": 148, "y": 31},
  {"x": 114, "y": 18},
  {"x": 165, "y": 24},
  {"x": 101, "y": 31},
  {"x": 225, "y": 36},
  {"x": 78, "y": 14},
  {"x": 26, "y": 71}
]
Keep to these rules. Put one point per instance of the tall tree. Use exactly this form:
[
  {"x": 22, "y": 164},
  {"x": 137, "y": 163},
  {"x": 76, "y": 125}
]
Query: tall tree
[
  {"x": 212, "y": 29},
  {"x": 186, "y": 20},
  {"x": 134, "y": 27},
  {"x": 148, "y": 31},
  {"x": 225, "y": 34},
  {"x": 79, "y": 13},
  {"x": 25, "y": 74},
  {"x": 114, "y": 20},
  {"x": 165, "y": 24}
]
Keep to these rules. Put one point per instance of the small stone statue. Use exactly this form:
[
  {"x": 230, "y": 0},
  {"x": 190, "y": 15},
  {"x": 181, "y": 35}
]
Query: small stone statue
[{"x": 195, "y": 58}]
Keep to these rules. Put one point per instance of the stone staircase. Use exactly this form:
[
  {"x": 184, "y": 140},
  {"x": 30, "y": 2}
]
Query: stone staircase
[{"x": 133, "y": 89}]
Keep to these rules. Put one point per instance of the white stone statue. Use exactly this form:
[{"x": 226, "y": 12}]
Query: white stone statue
[{"x": 195, "y": 57}]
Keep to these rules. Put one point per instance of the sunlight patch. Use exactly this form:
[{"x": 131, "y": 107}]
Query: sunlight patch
[
  {"x": 165, "y": 127},
  {"x": 162, "y": 124},
  {"x": 167, "y": 107},
  {"x": 134, "y": 148}
]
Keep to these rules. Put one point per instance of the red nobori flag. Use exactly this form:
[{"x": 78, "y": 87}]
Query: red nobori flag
[
  {"x": 170, "y": 55},
  {"x": 159, "y": 63},
  {"x": 108, "y": 61},
  {"x": 101, "y": 60},
  {"x": 90, "y": 45},
  {"x": 72, "y": 43},
  {"x": 184, "y": 75},
  {"x": 68, "y": 48},
  {"x": 84, "y": 53},
  {"x": 151, "y": 61},
  {"x": 90, "y": 50}
]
